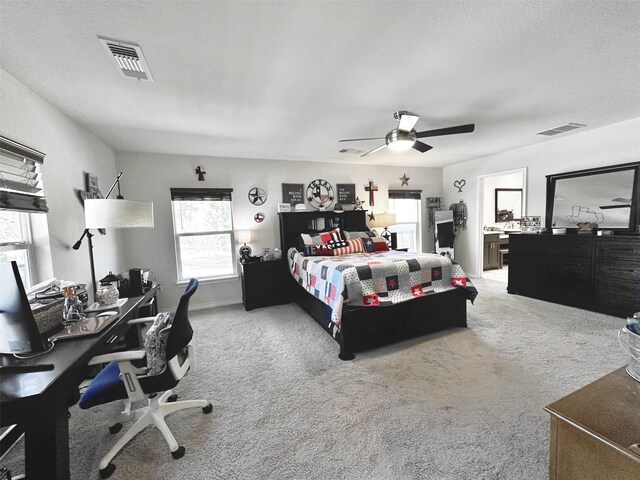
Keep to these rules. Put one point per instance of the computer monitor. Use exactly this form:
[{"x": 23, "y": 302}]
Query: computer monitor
[{"x": 18, "y": 329}]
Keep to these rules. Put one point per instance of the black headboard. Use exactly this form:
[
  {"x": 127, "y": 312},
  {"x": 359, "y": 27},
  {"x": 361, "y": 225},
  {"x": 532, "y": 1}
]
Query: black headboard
[{"x": 292, "y": 224}]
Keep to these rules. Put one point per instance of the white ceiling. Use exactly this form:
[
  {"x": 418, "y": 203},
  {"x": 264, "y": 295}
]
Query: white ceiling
[{"x": 286, "y": 80}]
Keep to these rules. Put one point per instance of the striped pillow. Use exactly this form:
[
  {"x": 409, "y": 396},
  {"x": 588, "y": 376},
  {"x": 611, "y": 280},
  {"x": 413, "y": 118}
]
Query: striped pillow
[{"x": 354, "y": 245}]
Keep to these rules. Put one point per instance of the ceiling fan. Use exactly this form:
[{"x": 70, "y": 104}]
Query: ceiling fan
[{"x": 404, "y": 136}]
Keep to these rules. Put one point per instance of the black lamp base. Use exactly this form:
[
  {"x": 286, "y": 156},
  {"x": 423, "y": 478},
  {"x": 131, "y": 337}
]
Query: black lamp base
[{"x": 245, "y": 253}]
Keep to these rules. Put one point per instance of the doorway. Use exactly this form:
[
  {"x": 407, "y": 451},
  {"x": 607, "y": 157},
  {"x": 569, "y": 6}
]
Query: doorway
[{"x": 502, "y": 202}]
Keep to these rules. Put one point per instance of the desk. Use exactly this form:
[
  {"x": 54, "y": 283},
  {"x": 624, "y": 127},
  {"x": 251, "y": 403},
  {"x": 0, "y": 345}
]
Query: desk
[
  {"x": 593, "y": 431},
  {"x": 38, "y": 401}
]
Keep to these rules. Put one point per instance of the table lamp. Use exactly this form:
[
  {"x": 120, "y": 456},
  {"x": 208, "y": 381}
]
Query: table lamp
[
  {"x": 244, "y": 236},
  {"x": 384, "y": 219},
  {"x": 113, "y": 213}
]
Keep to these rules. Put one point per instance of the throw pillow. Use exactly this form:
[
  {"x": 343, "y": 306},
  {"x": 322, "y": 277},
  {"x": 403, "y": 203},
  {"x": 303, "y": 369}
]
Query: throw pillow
[{"x": 155, "y": 343}]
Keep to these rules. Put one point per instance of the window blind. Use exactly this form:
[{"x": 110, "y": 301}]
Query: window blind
[
  {"x": 201, "y": 194},
  {"x": 412, "y": 194},
  {"x": 21, "y": 178}
]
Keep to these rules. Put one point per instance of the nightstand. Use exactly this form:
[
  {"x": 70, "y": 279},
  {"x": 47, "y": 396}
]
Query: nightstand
[{"x": 265, "y": 284}]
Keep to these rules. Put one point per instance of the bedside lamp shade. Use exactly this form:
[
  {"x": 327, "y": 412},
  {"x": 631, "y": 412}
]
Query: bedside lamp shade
[
  {"x": 384, "y": 220},
  {"x": 244, "y": 236},
  {"x": 116, "y": 213}
]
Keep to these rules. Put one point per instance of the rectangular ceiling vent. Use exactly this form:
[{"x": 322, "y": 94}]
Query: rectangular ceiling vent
[
  {"x": 128, "y": 58},
  {"x": 562, "y": 129},
  {"x": 350, "y": 150}
]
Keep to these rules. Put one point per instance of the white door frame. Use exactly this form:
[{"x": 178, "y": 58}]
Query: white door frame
[{"x": 480, "y": 213}]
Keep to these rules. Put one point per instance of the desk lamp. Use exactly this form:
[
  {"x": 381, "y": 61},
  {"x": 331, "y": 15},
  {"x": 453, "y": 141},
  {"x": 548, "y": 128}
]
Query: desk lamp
[{"x": 113, "y": 213}]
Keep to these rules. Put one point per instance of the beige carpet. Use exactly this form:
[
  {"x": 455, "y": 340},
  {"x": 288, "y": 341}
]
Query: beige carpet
[{"x": 461, "y": 404}]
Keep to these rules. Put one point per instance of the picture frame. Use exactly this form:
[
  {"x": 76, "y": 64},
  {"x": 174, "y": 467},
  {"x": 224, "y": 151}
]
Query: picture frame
[
  {"x": 293, "y": 193},
  {"x": 346, "y": 193}
]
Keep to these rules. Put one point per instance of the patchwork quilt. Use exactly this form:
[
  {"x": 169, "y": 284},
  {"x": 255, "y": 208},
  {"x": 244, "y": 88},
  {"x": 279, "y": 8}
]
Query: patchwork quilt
[{"x": 376, "y": 279}]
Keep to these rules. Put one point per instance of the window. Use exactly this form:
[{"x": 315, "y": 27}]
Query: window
[
  {"x": 406, "y": 205},
  {"x": 203, "y": 229},
  {"x": 15, "y": 243}
]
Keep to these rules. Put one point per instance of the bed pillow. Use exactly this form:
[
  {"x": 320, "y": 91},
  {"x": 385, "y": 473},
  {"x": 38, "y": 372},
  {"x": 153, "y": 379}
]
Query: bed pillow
[
  {"x": 368, "y": 245},
  {"x": 380, "y": 244},
  {"x": 354, "y": 245},
  {"x": 315, "y": 250},
  {"x": 322, "y": 238},
  {"x": 367, "y": 234}
]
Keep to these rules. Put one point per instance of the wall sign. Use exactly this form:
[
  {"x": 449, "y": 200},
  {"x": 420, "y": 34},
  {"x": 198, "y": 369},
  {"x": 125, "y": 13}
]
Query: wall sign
[
  {"x": 293, "y": 193},
  {"x": 257, "y": 196},
  {"x": 258, "y": 217},
  {"x": 346, "y": 193}
]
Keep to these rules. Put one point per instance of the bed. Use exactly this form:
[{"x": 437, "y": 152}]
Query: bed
[{"x": 359, "y": 325}]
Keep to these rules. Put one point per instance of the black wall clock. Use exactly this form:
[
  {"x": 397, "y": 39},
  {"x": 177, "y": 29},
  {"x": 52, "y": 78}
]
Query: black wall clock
[
  {"x": 257, "y": 196},
  {"x": 320, "y": 194}
]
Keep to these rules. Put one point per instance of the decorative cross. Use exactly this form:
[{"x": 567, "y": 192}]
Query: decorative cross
[
  {"x": 200, "y": 173},
  {"x": 371, "y": 188}
]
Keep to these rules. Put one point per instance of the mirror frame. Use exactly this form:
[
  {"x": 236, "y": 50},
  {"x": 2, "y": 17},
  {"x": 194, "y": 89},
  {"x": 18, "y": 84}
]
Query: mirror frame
[
  {"x": 514, "y": 219},
  {"x": 634, "y": 217}
]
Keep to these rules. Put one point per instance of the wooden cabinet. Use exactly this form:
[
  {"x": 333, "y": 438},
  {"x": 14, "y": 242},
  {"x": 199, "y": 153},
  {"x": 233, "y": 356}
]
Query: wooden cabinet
[
  {"x": 590, "y": 272},
  {"x": 265, "y": 284},
  {"x": 491, "y": 255},
  {"x": 595, "y": 430}
]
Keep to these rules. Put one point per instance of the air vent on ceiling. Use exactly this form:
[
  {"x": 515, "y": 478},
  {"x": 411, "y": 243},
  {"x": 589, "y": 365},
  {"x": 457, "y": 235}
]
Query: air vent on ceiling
[
  {"x": 128, "y": 58},
  {"x": 561, "y": 129},
  {"x": 350, "y": 150}
]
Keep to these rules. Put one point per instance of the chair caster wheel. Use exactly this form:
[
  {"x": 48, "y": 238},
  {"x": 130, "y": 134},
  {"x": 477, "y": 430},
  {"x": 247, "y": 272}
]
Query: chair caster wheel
[
  {"x": 107, "y": 471},
  {"x": 113, "y": 429},
  {"x": 178, "y": 453},
  {"x": 207, "y": 409},
  {"x": 173, "y": 398}
]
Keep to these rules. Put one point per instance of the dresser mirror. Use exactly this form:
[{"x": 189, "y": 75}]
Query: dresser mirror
[
  {"x": 508, "y": 204},
  {"x": 606, "y": 197}
]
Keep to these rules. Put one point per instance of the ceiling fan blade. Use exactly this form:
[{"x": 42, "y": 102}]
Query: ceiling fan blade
[
  {"x": 359, "y": 139},
  {"x": 447, "y": 131},
  {"x": 422, "y": 147},
  {"x": 608, "y": 207},
  {"x": 407, "y": 121},
  {"x": 374, "y": 150}
]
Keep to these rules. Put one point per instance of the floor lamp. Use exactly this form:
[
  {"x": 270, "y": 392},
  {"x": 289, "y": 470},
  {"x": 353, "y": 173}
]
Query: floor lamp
[{"x": 112, "y": 213}]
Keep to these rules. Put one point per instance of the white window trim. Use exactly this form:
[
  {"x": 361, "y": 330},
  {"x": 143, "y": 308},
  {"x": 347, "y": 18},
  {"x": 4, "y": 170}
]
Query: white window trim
[
  {"x": 25, "y": 244},
  {"x": 417, "y": 223},
  {"x": 176, "y": 240}
]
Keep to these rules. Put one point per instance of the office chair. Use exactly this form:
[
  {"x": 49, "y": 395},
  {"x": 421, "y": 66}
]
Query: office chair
[{"x": 121, "y": 380}]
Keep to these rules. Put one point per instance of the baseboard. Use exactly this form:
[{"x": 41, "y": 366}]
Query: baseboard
[
  {"x": 220, "y": 303},
  {"x": 204, "y": 306}
]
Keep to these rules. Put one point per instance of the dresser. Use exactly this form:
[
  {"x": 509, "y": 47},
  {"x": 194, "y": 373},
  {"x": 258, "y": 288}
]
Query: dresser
[
  {"x": 595, "y": 431},
  {"x": 601, "y": 274}
]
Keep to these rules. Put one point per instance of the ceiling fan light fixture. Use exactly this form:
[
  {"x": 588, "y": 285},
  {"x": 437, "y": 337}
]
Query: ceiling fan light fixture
[{"x": 398, "y": 141}]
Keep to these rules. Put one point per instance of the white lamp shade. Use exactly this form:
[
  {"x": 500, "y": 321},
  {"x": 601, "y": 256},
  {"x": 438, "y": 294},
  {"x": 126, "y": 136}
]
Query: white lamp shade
[
  {"x": 384, "y": 219},
  {"x": 244, "y": 236},
  {"x": 106, "y": 213}
]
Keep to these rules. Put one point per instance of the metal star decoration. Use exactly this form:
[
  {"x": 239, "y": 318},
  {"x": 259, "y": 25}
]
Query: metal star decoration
[
  {"x": 404, "y": 179},
  {"x": 371, "y": 217}
]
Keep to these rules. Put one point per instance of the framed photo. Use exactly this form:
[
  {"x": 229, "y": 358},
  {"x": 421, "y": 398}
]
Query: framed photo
[
  {"x": 91, "y": 186},
  {"x": 293, "y": 193},
  {"x": 346, "y": 193}
]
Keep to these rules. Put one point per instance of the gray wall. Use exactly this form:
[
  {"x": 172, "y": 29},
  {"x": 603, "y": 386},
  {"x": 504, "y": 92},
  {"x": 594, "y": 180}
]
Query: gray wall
[
  {"x": 613, "y": 144},
  {"x": 70, "y": 149},
  {"x": 149, "y": 176}
]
